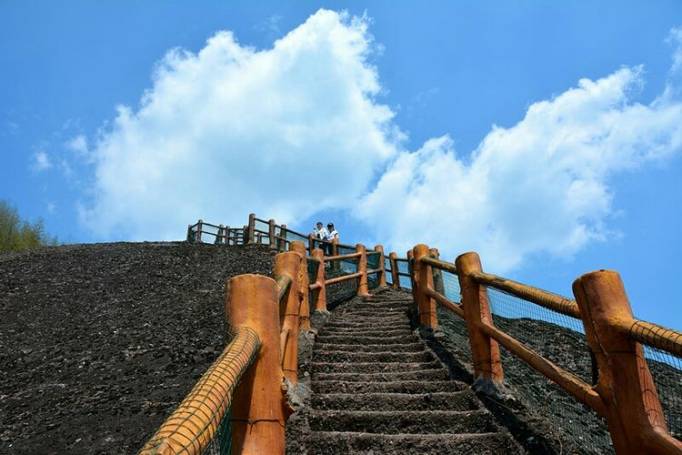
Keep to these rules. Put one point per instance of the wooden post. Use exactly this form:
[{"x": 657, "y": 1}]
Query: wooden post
[
  {"x": 288, "y": 264},
  {"x": 220, "y": 235},
  {"x": 282, "y": 244},
  {"x": 257, "y": 416},
  {"x": 197, "y": 234},
  {"x": 634, "y": 414},
  {"x": 438, "y": 284},
  {"x": 363, "y": 287},
  {"x": 271, "y": 234},
  {"x": 426, "y": 306},
  {"x": 190, "y": 234},
  {"x": 485, "y": 351},
  {"x": 311, "y": 244},
  {"x": 251, "y": 229},
  {"x": 321, "y": 292},
  {"x": 393, "y": 258},
  {"x": 335, "y": 252},
  {"x": 382, "y": 265},
  {"x": 227, "y": 235},
  {"x": 304, "y": 280}
]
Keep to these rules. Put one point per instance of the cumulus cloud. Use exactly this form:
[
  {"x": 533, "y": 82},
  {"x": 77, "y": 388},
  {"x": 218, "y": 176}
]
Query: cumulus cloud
[
  {"x": 41, "y": 161},
  {"x": 78, "y": 145},
  {"x": 298, "y": 128},
  {"x": 283, "y": 132},
  {"x": 540, "y": 186}
]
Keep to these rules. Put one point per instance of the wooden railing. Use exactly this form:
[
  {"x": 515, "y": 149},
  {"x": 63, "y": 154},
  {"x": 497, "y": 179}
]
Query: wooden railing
[
  {"x": 253, "y": 376},
  {"x": 257, "y": 369},
  {"x": 625, "y": 393}
]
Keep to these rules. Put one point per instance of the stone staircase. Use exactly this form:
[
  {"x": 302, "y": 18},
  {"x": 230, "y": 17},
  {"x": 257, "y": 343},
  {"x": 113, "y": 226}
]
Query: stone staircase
[{"x": 376, "y": 388}]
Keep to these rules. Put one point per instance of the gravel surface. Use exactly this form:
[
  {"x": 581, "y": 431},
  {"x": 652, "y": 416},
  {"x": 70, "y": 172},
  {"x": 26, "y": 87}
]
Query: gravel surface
[{"x": 98, "y": 343}]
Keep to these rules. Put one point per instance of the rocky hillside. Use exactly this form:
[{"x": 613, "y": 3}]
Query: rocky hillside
[{"x": 98, "y": 343}]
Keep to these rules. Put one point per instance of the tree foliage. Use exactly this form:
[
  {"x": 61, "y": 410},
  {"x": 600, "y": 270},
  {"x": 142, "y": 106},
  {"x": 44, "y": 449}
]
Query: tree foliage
[{"x": 17, "y": 234}]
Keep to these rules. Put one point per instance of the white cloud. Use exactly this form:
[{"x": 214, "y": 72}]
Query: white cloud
[
  {"x": 41, "y": 161},
  {"x": 79, "y": 145},
  {"x": 292, "y": 130},
  {"x": 540, "y": 186},
  {"x": 283, "y": 132}
]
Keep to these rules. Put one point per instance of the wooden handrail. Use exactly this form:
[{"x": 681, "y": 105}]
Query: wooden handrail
[
  {"x": 342, "y": 278},
  {"x": 439, "y": 264},
  {"x": 194, "y": 423},
  {"x": 653, "y": 335},
  {"x": 445, "y": 302},
  {"x": 580, "y": 390},
  {"x": 342, "y": 257},
  {"x": 538, "y": 296},
  {"x": 283, "y": 284}
]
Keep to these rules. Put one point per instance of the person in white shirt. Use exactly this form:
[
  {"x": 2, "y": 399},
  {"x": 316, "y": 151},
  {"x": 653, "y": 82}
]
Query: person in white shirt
[
  {"x": 320, "y": 233},
  {"x": 332, "y": 233}
]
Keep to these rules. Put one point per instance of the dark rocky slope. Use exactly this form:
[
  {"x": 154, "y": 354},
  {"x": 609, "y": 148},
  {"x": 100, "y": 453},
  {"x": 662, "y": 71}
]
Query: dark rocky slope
[{"x": 98, "y": 343}]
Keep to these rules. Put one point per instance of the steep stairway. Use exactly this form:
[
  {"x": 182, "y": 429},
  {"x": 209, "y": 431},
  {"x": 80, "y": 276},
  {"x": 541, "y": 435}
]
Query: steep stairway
[{"x": 376, "y": 388}]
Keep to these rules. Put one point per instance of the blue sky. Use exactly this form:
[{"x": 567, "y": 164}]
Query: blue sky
[{"x": 392, "y": 104}]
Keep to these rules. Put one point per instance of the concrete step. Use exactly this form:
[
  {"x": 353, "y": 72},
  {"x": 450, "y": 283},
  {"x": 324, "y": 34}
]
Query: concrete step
[
  {"x": 333, "y": 442},
  {"x": 365, "y": 339},
  {"x": 436, "y": 374},
  {"x": 364, "y": 325},
  {"x": 371, "y": 367},
  {"x": 398, "y": 331},
  {"x": 391, "y": 422},
  {"x": 401, "y": 386},
  {"x": 407, "y": 347},
  {"x": 350, "y": 356},
  {"x": 446, "y": 401}
]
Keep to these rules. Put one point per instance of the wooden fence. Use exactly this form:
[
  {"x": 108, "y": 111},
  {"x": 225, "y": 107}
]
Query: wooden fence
[{"x": 267, "y": 314}]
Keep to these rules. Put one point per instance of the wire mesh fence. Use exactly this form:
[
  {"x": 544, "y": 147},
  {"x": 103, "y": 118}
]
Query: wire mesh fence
[
  {"x": 560, "y": 339},
  {"x": 404, "y": 274},
  {"x": 666, "y": 369}
]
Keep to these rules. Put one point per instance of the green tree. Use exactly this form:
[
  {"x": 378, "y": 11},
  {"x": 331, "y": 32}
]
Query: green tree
[{"x": 17, "y": 234}]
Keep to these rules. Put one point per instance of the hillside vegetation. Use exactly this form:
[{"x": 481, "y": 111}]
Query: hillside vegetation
[{"x": 17, "y": 234}]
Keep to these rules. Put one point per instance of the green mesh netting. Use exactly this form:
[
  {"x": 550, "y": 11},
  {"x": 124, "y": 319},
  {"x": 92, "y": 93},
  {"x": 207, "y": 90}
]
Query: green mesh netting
[{"x": 373, "y": 260}]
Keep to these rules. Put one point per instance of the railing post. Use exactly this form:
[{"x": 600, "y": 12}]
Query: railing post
[
  {"x": 382, "y": 265},
  {"x": 363, "y": 287},
  {"x": 271, "y": 234},
  {"x": 485, "y": 351},
  {"x": 335, "y": 252},
  {"x": 311, "y": 244},
  {"x": 426, "y": 306},
  {"x": 281, "y": 242},
  {"x": 321, "y": 292},
  {"x": 304, "y": 280},
  {"x": 227, "y": 235},
  {"x": 438, "y": 284},
  {"x": 190, "y": 234},
  {"x": 197, "y": 234},
  {"x": 288, "y": 264},
  {"x": 258, "y": 408},
  {"x": 220, "y": 235},
  {"x": 634, "y": 414},
  {"x": 251, "y": 229},
  {"x": 393, "y": 258}
]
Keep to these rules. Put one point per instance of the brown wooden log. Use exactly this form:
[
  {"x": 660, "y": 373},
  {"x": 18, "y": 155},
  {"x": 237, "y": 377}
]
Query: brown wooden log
[
  {"x": 251, "y": 229},
  {"x": 382, "y": 265},
  {"x": 342, "y": 278},
  {"x": 395, "y": 278},
  {"x": 288, "y": 264},
  {"x": 485, "y": 351},
  {"x": 257, "y": 416},
  {"x": 445, "y": 302},
  {"x": 320, "y": 293},
  {"x": 304, "y": 281},
  {"x": 633, "y": 411},
  {"x": 423, "y": 278},
  {"x": 363, "y": 287}
]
